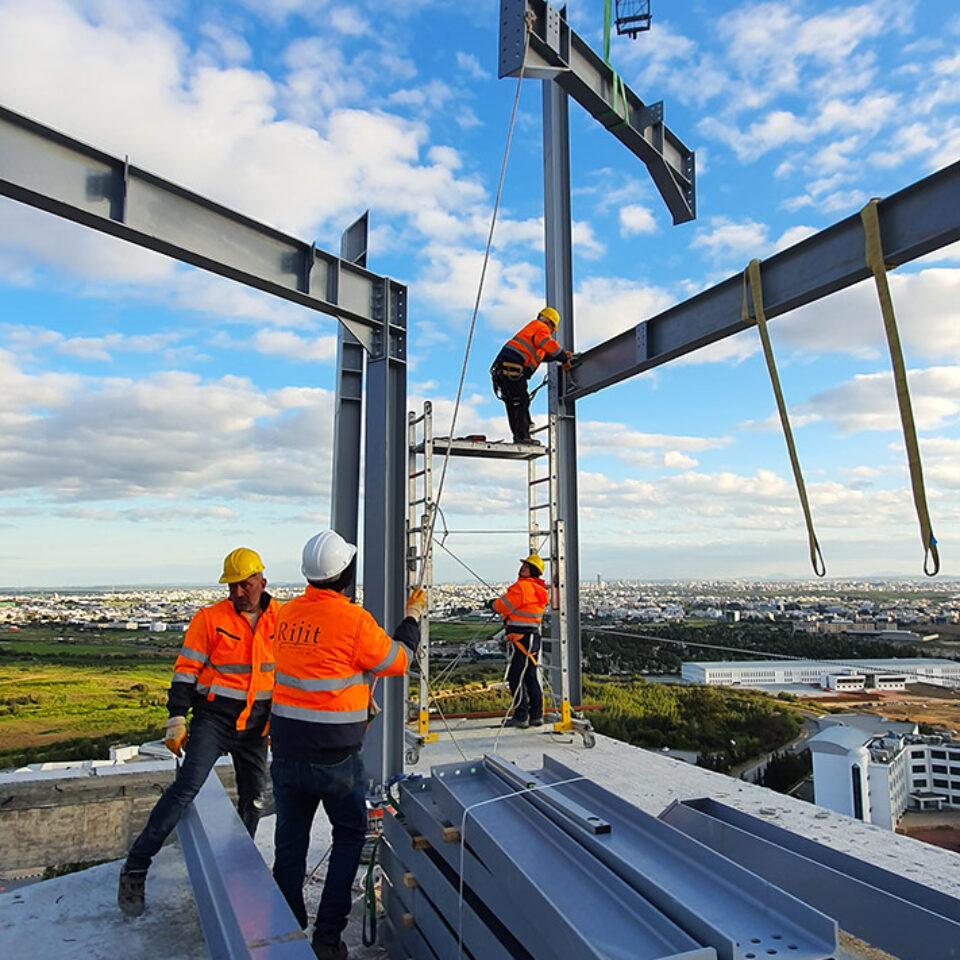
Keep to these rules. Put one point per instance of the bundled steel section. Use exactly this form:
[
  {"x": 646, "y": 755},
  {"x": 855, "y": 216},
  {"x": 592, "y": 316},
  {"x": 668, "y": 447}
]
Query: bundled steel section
[
  {"x": 898, "y": 915},
  {"x": 718, "y": 902},
  {"x": 553, "y": 898}
]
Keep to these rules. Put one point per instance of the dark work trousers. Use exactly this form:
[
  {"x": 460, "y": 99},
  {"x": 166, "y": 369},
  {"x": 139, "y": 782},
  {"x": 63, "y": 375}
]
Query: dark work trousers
[
  {"x": 211, "y": 735},
  {"x": 522, "y": 676},
  {"x": 513, "y": 393},
  {"x": 299, "y": 787}
]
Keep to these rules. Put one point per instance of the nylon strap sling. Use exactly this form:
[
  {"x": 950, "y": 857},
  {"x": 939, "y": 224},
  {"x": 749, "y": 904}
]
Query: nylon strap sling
[
  {"x": 874, "y": 258},
  {"x": 751, "y": 277}
]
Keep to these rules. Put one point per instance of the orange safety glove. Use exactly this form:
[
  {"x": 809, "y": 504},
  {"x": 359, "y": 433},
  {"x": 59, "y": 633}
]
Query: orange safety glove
[
  {"x": 416, "y": 605},
  {"x": 176, "y": 736}
]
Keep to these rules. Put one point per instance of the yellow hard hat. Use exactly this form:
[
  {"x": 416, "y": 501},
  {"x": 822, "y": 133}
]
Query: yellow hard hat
[
  {"x": 534, "y": 561},
  {"x": 240, "y": 564},
  {"x": 551, "y": 316}
]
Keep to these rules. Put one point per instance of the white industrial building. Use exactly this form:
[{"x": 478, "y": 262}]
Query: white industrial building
[
  {"x": 874, "y": 771},
  {"x": 880, "y": 674}
]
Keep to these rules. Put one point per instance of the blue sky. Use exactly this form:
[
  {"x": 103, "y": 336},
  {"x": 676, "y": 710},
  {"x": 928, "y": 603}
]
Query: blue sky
[{"x": 155, "y": 417}]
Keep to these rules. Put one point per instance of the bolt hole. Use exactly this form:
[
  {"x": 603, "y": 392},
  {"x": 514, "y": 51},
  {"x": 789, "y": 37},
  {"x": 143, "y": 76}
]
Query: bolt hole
[
  {"x": 777, "y": 936},
  {"x": 755, "y": 940}
]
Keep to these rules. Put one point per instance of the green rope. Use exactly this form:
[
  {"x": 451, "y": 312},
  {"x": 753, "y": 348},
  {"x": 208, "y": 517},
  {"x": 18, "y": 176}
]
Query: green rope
[
  {"x": 370, "y": 899},
  {"x": 606, "y": 30}
]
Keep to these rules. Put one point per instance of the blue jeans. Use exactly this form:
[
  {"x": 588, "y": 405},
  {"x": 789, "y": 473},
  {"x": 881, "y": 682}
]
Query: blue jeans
[
  {"x": 211, "y": 734},
  {"x": 299, "y": 787}
]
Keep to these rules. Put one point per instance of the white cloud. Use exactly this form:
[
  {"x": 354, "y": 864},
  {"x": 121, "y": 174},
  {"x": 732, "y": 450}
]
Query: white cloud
[
  {"x": 471, "y": 66},
  {"x": 636, "y": 219},
  {"x": 605, "y": 306},
  {"x": 868, "y": 402},
  {"x": 169, "y": 435},
  {"x": 290, "y": 346},
  {"x": 725, "y": 239}
]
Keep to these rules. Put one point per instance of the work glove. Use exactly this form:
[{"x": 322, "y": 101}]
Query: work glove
[
  {"x": 568, "y": 364},
  {"x": 489, "y": 603},
  {"x": 176, "y": 735},
  {"x": 416, "y": 605}
]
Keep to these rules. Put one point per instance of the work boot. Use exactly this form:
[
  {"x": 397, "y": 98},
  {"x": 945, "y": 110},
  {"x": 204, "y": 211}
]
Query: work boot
[
  {"x": 536, "y": 721},
  {"x": 331, "y": 951},
  {"x": 515, "y": 722},
  {"x": 130, "y": 891}
]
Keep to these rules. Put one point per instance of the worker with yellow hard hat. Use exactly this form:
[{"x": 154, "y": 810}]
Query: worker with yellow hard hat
[
  {"x": 224, "y": 675},
  {"x": 522, "y": 608},
  {"x": 517, "y": 362}
]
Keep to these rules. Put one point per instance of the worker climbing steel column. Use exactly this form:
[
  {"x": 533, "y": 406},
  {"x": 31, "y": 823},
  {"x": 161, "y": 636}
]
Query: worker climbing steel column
[
  {"x": 517, "y": 362},
  {"x": 224, "y": 673},
  {"x": 522, "y": 609},
  {"x": 327, "y": 646}
]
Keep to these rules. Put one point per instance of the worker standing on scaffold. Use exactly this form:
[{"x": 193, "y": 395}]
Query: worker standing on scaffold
[
  {"x": 517, "y": 362},
  {"x": 522, "y": 609}
]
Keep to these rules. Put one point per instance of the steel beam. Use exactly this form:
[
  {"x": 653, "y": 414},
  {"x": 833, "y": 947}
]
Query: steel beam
[
  {"x": 384, "y": 520},
  {"x": 900, "y": 916},
  {"x": 741, "y": 915},
  {"x": 348, "y": 411},
  {"x": 54, "y": 172},
  {"x": 917, "y": 220},
  {"x": 556, "y": 53},
  {"x": 558, "y": 259},
  {"x": 480, "y": 929},
  {"x": 242, "y": 912},
  {"x": 559, "y": 902}
]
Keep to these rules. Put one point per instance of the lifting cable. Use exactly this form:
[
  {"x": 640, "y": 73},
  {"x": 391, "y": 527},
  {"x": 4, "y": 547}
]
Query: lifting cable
[
  {"x": 751, "y": 278},
  {"x": 528, "y": 22},
  {"x": 875, "y": 262}
]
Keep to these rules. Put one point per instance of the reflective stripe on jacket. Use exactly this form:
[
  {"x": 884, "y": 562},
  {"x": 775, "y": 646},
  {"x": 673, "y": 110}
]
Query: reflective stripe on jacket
[
  {"x": 523, "y": 604},
  {"x": 534, "y": 343},
  {"x": 327, "y": 647},
  {"x": 222, "y": 656}
]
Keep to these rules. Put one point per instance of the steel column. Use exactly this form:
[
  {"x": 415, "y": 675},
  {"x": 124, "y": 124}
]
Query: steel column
[
  {"x": 345, "y": 490},
  {"x": 558, "y": 234},
  {"x": 917, "y": 220},
  {"x": 384, "y": 515}
]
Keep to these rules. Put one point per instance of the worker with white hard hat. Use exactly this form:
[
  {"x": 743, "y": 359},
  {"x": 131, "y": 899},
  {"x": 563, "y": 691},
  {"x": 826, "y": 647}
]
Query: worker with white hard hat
[{"x": 326, "y": 647}]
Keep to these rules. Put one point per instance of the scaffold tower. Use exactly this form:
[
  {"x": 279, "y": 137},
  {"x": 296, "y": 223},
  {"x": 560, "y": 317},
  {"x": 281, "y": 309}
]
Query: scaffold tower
[{"x": 544, "y": 537}]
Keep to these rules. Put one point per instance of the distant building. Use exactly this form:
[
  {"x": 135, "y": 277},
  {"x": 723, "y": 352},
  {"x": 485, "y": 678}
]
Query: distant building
[
  {"x": 875, "y": 771},
  {"x": 881, "y": 674}
]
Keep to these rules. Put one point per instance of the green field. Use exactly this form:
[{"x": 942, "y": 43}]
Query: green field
[{"x": 70, "y": 695}]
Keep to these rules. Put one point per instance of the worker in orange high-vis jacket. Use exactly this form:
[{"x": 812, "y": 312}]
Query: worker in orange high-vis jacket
[
  {"x": 517, "y": 362},
  {"x": 327, "y": 647},
  {"x": 224, "y": 675},
  {"x": 522, "y": 609}
]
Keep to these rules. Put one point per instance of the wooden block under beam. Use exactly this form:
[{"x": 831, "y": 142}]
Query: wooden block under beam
[
  {"x": 409, "y": 880},
  {"x": 419, "y": 842},
  {"x": 408, "y": 921},
  {"x": 451, "y": 835}
]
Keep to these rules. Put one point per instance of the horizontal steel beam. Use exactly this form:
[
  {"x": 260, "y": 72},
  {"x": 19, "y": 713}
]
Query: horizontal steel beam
[
  {"x": 557, "y": 53},
  {"x": 242, "y": 911},
  {"x": 917, "y": 220},
  {"x": 718, "y": 902},
  {"x": 55, "y": 173},
  {"x": 900, "y": 916},
  {"x": 479, "y": 929},
  {"x": 575, "y": 903}
]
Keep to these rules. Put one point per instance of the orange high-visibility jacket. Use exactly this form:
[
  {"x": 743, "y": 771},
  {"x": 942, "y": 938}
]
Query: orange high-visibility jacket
[
  {"x": 222, "y": 656},
  {"x": 326, "y": 648},
  {"x": 534, "y": 343},
  {"x": 522, "y": 605}
]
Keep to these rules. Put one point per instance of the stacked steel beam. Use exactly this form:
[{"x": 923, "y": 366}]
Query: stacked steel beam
[{"x": 485, "y": 861}]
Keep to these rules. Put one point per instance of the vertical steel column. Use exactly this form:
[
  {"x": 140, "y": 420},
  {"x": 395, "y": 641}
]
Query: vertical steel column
[
  {"x": 345, "y": 492},
  {"x": 559, "y": 284},
  {"x": 385, "y": 495}
]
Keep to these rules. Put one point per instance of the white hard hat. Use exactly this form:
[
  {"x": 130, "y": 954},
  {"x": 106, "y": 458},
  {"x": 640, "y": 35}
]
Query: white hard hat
[{"x": 326, "y": 555}]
